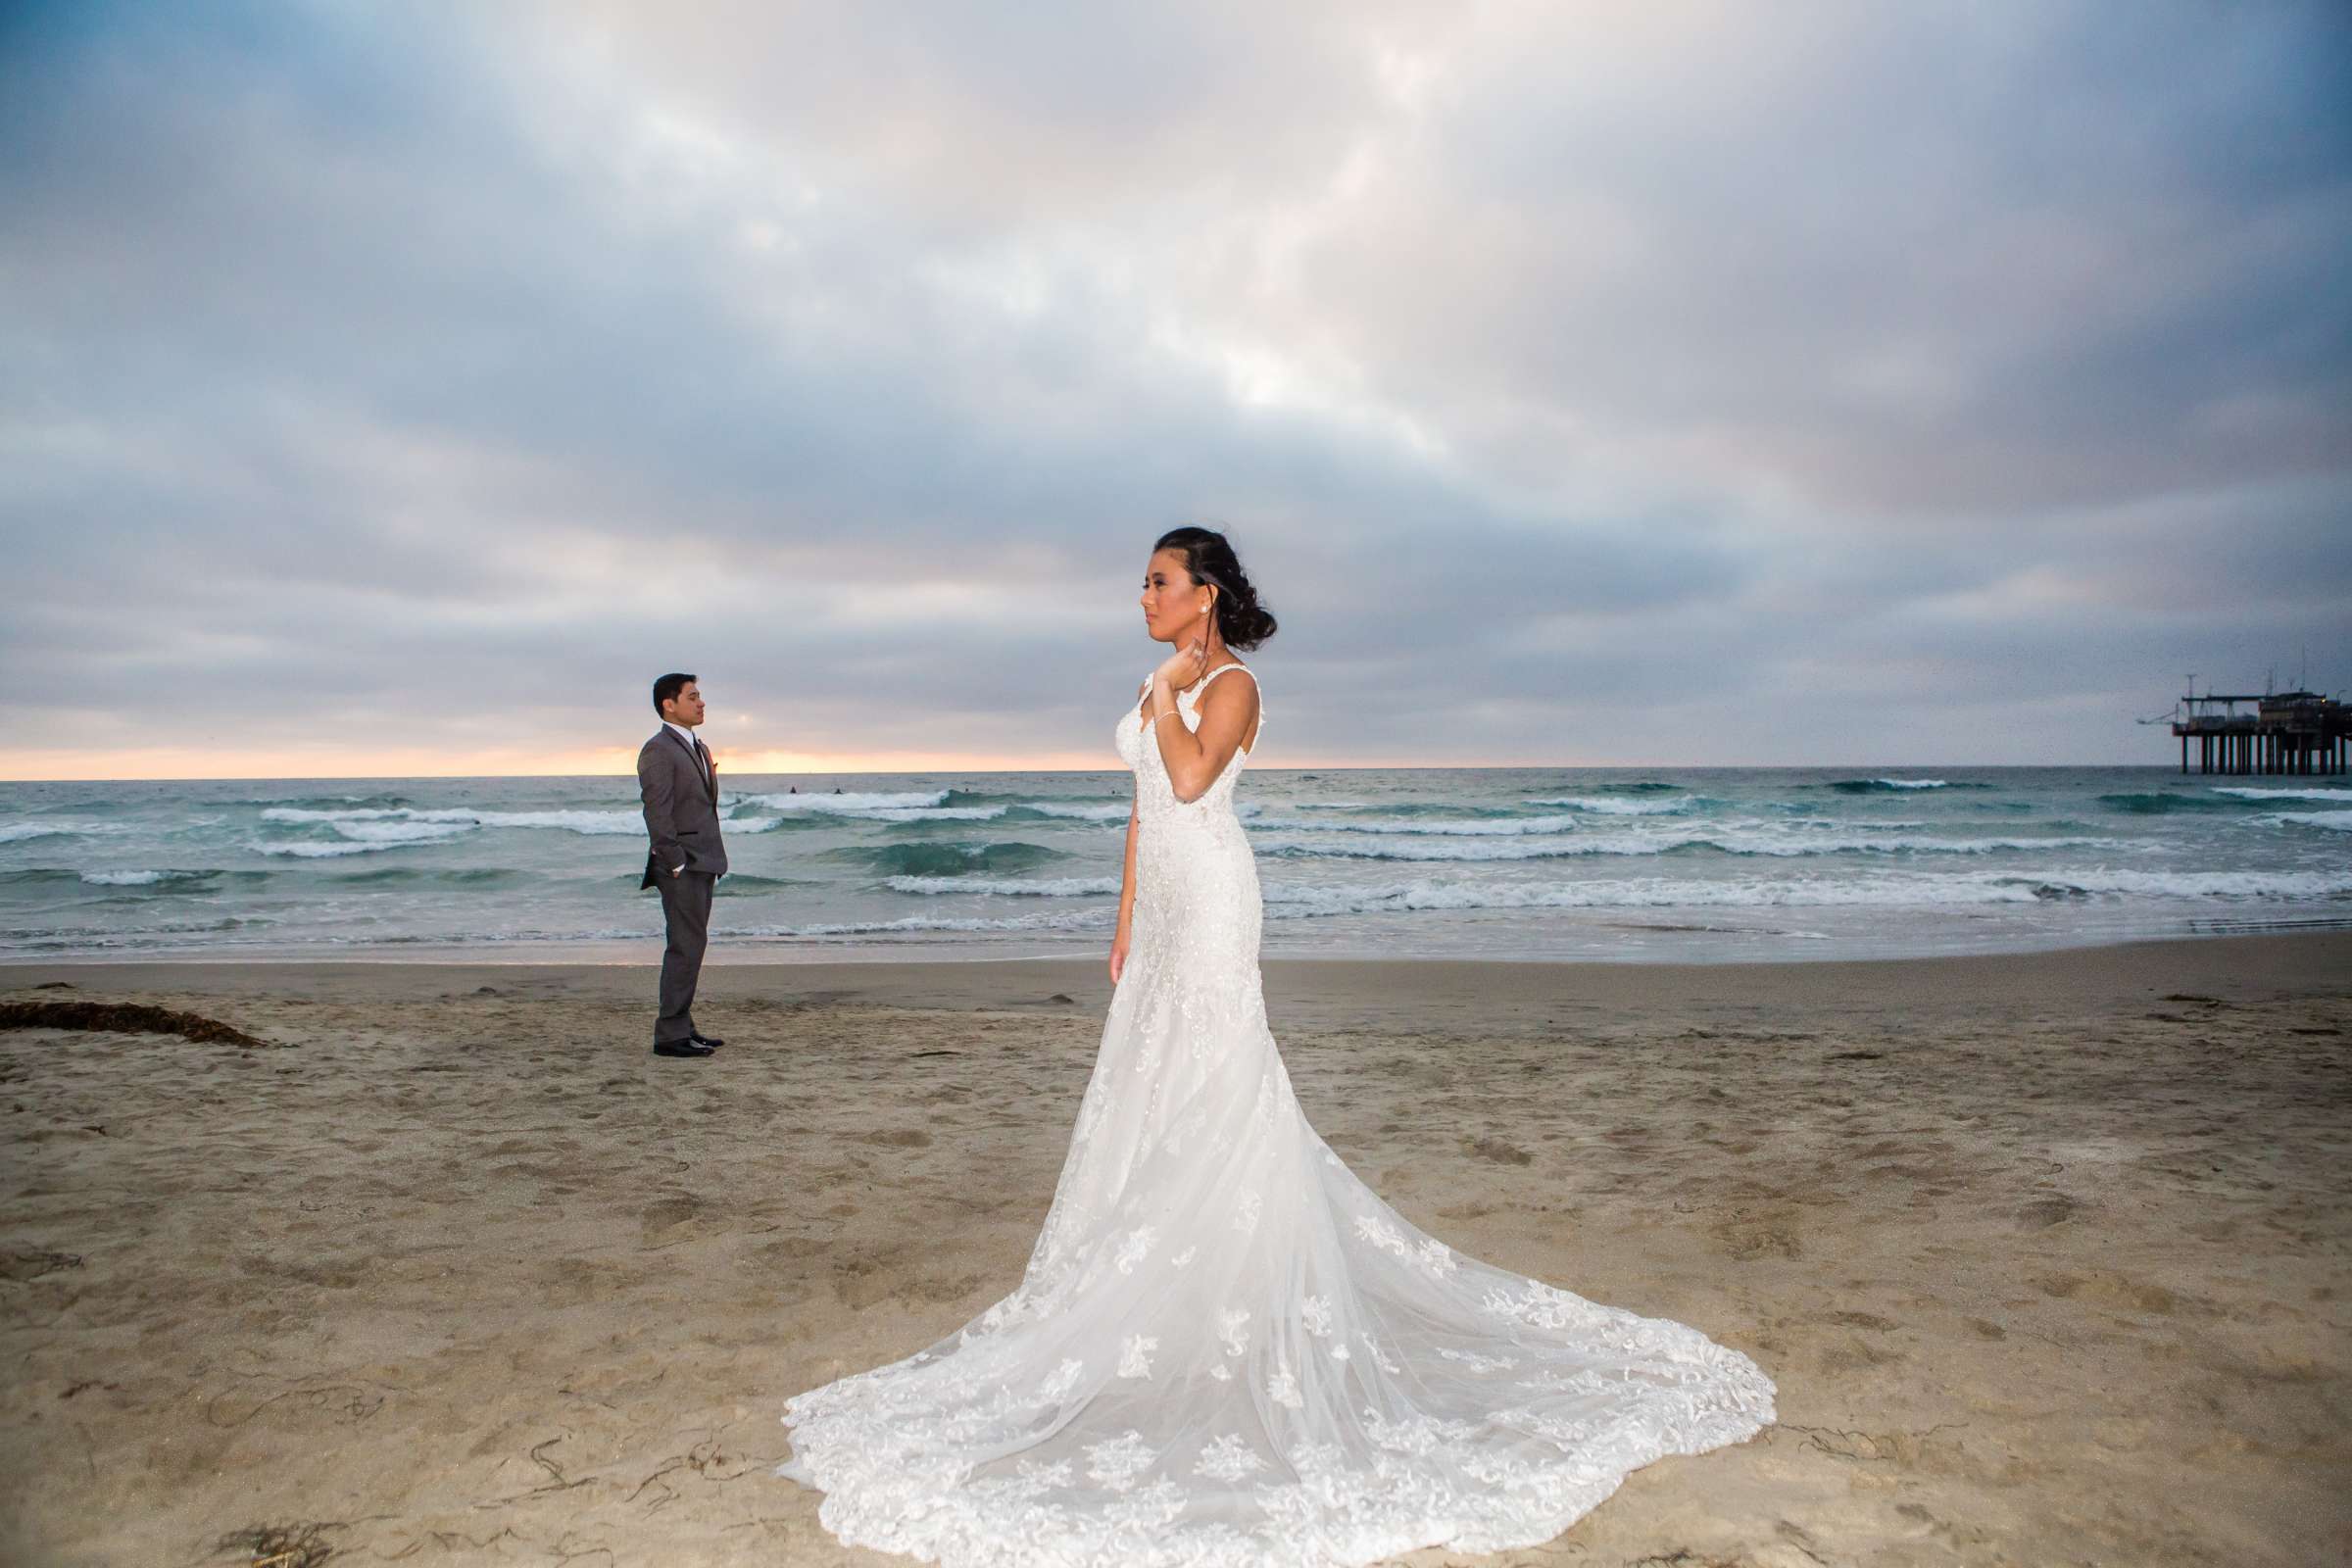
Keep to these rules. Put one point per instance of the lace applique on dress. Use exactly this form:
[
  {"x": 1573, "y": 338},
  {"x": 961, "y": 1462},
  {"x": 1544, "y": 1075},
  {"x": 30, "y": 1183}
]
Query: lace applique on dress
[{"x": 1173, "y": 1385}]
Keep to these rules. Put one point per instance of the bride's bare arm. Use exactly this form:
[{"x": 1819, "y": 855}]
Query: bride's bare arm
[
  {"x": 1195, "y": 758},
  {"x": 1119, "y": 941}
]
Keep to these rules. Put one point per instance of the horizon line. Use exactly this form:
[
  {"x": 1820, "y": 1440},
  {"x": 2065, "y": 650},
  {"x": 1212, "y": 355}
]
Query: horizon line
[{"x": 916, "y": 772}]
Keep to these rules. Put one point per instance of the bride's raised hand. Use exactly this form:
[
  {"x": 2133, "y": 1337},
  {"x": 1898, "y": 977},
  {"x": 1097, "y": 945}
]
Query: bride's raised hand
[{"x": 1184, "y": 667}]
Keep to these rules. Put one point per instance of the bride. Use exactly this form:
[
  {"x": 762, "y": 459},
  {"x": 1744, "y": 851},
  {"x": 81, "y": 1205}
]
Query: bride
[{"x": 1226, "y": 1350}]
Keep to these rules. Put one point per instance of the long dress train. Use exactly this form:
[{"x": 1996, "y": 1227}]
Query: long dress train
[{"x": 1226, "y": 1350}]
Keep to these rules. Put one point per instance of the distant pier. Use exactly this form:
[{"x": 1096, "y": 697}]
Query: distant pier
[{"x": 2282, "y": 732}]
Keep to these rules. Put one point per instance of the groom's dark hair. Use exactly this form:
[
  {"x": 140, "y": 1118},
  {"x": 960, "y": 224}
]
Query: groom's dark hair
[{"x": 667, "y": 688}]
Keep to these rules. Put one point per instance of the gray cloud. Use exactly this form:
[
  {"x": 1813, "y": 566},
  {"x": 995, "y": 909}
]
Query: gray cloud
[{"x": 1605, "y": 384}]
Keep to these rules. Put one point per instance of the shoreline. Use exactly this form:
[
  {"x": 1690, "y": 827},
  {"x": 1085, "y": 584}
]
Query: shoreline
[
  {"x": 2275, "y": 957},
  {"x": 745, "y": 957}
]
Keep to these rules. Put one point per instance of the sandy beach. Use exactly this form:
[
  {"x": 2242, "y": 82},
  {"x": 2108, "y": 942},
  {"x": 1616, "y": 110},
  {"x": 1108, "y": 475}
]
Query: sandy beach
[{"x": 2049, "y": 1254}]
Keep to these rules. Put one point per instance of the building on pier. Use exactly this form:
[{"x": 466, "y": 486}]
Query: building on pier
[{"x": 2278, "y": 732}]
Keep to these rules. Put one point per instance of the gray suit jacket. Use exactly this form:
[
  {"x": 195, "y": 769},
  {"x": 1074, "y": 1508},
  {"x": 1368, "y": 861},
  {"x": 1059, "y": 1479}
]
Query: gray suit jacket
[{"x": 681, "y": 811}]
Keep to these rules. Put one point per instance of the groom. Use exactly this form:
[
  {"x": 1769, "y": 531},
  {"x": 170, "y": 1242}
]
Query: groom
[{"x": 679, "y": 786}]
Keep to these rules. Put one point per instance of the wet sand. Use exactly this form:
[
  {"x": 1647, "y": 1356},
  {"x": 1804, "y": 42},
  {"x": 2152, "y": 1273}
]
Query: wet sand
[{"x": 2048, "y": 1253}]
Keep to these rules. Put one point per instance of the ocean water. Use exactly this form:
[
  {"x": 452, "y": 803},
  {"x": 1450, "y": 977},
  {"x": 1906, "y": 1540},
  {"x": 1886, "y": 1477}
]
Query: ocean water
[{"x": 1613, "y": 864}]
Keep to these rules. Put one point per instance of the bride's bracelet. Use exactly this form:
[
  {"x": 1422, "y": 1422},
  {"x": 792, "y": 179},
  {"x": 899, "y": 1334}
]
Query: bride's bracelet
[{"x": 1170, "y": 713}]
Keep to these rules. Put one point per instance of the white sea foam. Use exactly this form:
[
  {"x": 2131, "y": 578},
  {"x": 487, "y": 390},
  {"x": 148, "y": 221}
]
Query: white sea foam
[
  {"x": 1490, "y": 827},
  {"x": 849, "y": 800},
  {"x": 1643, "y": 893},
  {"x": 1054, "y": 887},
  {"x": 19, "y": 832},
  {"x": 365, "y": 837},
  {"x": 597, "y": 823},
  {"x": 402, "y": 832},
  {"x": 1072, "y": 920},
  {"x": 594, "y": 823},
  {"x": 875, "y": 807},
  {"x": 309, "y": 851},
  {"x": 1614, "y": 805},
  {"x": 1914, "y": 783},
  {"x": 2340, "y": 822},
  {"x": 1770, "y": 839},
  {"x": 1887, "y": 892},
  {"x": 2210, "y": 884},
  {"x": 2282, "y": 795},
  {"x": 140, "y": 879},
  {"x": 932, "y": 813},
  {"x": 1080, "y": 813}
]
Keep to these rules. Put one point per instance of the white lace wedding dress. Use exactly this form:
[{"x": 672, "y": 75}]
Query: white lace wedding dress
[{"x": 1227, "y": 1350}]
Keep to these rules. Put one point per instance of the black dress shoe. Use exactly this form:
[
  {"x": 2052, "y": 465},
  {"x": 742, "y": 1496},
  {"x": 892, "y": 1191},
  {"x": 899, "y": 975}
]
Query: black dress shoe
[
  {"x": 706, "y": 1042},
  {"x": 680, "y": 1048}
]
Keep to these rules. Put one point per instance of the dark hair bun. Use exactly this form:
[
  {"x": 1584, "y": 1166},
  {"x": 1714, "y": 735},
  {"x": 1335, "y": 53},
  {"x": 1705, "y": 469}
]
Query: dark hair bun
[{"x": 1242, "y": 620}]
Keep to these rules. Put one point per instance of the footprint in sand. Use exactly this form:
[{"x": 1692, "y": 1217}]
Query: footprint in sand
[
  {"x": 2112, "y": 1290},
  {"x": 1748, "y": 1235},
  {"x": 2045, "y": 1212},
  {"x": 667, "y": 1214}
]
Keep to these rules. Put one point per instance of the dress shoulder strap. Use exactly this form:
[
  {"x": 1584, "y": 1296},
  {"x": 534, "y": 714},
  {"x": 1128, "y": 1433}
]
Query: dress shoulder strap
[
  {"x": 1253, "y": 680},
  {"x": 1222, "y": 669}
]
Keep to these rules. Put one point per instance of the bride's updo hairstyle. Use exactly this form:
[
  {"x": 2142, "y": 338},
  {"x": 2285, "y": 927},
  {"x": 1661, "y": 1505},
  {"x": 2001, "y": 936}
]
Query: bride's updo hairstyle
[{"x": 1242, "y": 620}]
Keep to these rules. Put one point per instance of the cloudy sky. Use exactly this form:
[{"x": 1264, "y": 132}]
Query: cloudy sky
[{"x": 397, "y": 389}]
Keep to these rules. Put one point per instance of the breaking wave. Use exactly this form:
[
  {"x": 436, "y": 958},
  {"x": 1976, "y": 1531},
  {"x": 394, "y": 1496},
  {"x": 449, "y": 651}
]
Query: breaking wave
[
  {"x": 2336, "y": 821},
  {"x": 1911, "y": 892},
  {"x": 2282, "y": 795},
  {"x": 916, "y": 924},
  {"x": 1610, "y": 805},
  {"x": 1721, "y": 842},
  {"x": 1491, "y": 828},
  {"x": 1056, "y": 887},
  {"x": 18, "y": 831},
  {"x": 148, "y": 879},
  {"x": 597, "y": 823},
  {"x": 1877, "y": 786}
]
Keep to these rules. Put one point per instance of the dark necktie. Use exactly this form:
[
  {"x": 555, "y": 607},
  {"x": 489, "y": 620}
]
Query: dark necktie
[{"x": 702, "y": 755}]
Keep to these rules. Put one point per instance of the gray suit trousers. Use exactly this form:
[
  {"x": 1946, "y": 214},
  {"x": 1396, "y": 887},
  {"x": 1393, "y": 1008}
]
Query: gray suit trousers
[{"x": 686, "y": 913}]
